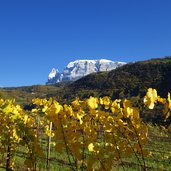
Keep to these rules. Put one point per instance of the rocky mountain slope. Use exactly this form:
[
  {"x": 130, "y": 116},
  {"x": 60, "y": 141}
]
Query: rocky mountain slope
[{"x": 80, "y": 68}]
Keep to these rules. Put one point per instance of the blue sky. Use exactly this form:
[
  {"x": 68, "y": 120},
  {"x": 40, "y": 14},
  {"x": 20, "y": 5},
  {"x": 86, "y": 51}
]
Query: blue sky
[{"x": 37, "y": 35}]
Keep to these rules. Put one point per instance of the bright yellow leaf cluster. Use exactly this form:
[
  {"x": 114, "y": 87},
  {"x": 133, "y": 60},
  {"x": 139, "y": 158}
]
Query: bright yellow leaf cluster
[
  {"x": 95, "y": 133},
  {"x": 151, "y": 98},
  {"x": 79, "y": 127}
]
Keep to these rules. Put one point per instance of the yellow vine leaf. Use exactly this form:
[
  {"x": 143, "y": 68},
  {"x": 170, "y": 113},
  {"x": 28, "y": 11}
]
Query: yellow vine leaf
[
  {"x": 151, "y": 98},
  {"x": 167, "y": 107},
  {"x": 48, "y": 132},
  {"x": 34, "y": 110},
  {"x": 115, "y": 106},
  {"x": 161, "y": 100},
  {"x": 92, "y": 103},
  {"x": 25, "y": 119},
  {"x": 68, "y": 110},
  {"x": 169, "y": 128},
  {"x": 127, "y": 103},
  {"x": 76, "y": 103},
  {"x": 169, "y": 100},
  {"x": 105, "y": 101},
  {"x": 80, "y": 116},
  {"x": 57, "y": 106},
  {"x": 45, "y": 108},
  {"x": 91, "y": 147}
]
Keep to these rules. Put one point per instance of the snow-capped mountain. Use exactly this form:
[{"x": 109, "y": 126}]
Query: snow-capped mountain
[{"x": 79, "y": 68}]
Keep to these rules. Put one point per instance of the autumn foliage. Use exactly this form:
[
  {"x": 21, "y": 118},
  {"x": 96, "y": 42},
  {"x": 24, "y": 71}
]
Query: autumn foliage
[{"x": 95, "y": 134}]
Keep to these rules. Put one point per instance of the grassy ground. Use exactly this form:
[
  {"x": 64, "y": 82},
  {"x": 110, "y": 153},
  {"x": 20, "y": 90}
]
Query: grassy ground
[{"x": 159, "y": 146}]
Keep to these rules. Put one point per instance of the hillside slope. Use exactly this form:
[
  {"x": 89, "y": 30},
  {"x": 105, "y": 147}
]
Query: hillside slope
[
  {"x": 132, "y": 79},
  {"x": 129, "y": 80}
]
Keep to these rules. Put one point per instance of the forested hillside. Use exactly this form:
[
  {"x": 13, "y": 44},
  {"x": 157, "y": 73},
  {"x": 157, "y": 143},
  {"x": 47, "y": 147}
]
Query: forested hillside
[
  {"x": 132, "y": 79},
  {"x": 129, "y": 80}
]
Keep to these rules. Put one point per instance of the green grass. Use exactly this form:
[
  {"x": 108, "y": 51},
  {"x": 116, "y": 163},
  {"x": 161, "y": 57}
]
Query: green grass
[{"x": 160, "y": 158}]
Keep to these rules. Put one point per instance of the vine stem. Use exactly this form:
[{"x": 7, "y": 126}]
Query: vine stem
[
  {"x": 83, "y": 151},
  {"x": 129, "y": 144},
  {"x": 48, "y": 148},
  {"x": 67, "y": 149},
  {"x": 143, "y": 159},
  {"x": 118, "y": 152},
  {"x": 103, "y": 167},
  {"x": 8, "y": 163}
]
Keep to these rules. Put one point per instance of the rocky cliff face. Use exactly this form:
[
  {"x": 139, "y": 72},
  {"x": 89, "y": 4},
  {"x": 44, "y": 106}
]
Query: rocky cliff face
[{"x": 79, "y": 68}]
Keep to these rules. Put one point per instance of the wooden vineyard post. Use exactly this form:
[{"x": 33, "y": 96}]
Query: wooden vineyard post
[{"x": 48, "y": 148}]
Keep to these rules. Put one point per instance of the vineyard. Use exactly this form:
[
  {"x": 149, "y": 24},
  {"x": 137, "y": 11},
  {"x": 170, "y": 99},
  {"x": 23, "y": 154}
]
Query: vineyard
[{"x": 92, "y": 134}]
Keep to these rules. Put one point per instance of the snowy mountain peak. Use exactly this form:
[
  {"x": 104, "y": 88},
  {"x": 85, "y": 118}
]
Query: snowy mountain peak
[
  {"x": 79, "y": 68},
  {"x": 53, "y": 73}
]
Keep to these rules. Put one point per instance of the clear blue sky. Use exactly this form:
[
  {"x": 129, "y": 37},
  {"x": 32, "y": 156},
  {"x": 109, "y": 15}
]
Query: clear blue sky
[{"x": 37, "y": 35}]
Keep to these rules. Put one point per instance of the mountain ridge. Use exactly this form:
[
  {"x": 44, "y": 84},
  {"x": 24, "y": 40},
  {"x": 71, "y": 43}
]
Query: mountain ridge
[
  {"x": 80, "y": 68},
  {"x": 131, "y": 79}
]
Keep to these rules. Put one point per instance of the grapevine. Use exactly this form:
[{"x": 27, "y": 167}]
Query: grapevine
[{"x": 95, "y": 134}]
